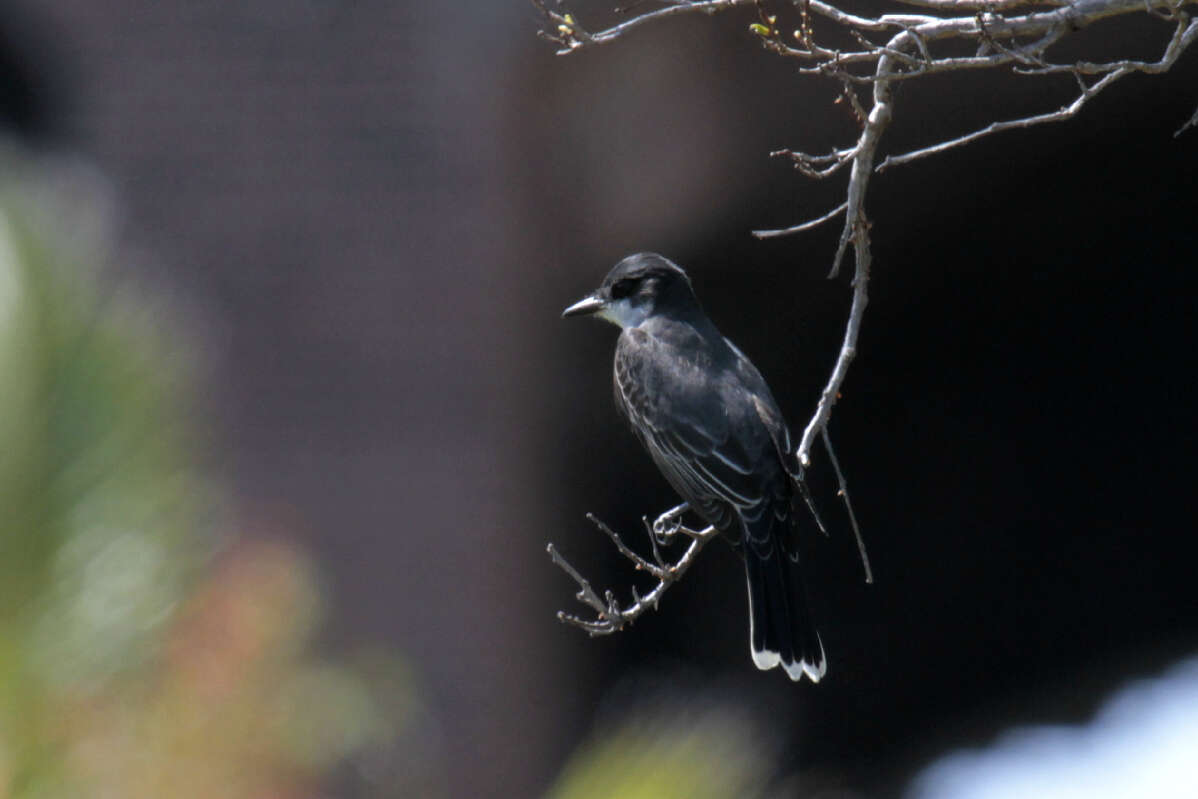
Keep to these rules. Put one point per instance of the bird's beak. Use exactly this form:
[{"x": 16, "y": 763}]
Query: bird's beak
[{"x": 585, "y": 307}]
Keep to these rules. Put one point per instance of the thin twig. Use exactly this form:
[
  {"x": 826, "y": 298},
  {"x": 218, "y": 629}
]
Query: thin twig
[
  {"x": 881, "y": 23},
  {"x": 1193, "y": 122},
  {"x": 572, "y": 36},
  {"x": 1014, "y": 34},
  {"x": 610, "y": 616},
  {"x": 965, "y": 6},
  {"x": 771, "y": 234},
  {"x": 1183, "y": 37},
  {"x": 1063, "y": 113},
  {"x": 856, "y": 230},
  {"x": 809, "y": 501},
  {"x": 848, "y": 504},
  {"x": 813, "y": 166}
]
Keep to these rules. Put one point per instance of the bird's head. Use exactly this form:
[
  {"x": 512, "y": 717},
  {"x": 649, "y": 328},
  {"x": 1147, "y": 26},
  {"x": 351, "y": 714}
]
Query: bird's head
[{"x": 638, "y": 287}]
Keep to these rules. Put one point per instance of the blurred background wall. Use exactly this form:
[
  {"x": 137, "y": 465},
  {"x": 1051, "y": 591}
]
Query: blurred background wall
[{"x": 362, "y": 218}]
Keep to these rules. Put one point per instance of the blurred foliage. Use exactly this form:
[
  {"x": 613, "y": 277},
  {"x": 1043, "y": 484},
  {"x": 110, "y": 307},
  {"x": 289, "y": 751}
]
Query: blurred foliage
[
  {"x": 146, "y": 649},
  {"x": 691, "y": 749},
  {"x": 140, "y": 656}
]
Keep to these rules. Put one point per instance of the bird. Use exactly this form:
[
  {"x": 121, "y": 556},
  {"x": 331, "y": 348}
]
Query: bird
[{"x": 709, "y": 422}]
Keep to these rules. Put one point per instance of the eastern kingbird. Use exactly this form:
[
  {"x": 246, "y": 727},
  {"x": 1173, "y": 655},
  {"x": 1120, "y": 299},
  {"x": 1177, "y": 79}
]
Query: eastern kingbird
[{"x": 708, "y": 420}]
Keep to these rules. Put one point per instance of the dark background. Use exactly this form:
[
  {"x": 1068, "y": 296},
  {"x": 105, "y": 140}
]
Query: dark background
[{"x": 371, "y": 214}]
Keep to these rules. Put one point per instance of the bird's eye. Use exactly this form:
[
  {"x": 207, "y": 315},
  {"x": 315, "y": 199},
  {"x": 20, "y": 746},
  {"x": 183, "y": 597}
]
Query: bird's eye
[{"x": 623, "y": 288}]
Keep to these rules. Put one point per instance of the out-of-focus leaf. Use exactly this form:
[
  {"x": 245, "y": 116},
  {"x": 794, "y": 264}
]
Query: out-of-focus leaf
[
  {"x": 665, "y": 752},
  {"x": 135, "y": 659}
]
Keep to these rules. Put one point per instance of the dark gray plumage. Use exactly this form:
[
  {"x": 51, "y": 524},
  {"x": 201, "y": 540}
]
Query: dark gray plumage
[{"x": 711, "y": 425}]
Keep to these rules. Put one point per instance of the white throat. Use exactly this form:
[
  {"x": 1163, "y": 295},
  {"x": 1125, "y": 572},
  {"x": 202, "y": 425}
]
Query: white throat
[{"x": 624, "y": 314}]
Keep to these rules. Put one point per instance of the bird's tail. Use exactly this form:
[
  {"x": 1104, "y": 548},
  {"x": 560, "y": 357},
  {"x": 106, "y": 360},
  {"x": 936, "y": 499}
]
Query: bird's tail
[{"x": 781, "y": 631}]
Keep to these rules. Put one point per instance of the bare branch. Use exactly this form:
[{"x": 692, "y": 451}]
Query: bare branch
[
  {"x": 889, "y": 48},
  {"x": 843, "y": 491},
  {"x": 1049, "y": 26},
  {"x": 1065, "y": 112},
  {"x": 813, "y": 165},
  {"x": 610, "y": 616},
  {"x": 858, "y": 233},
  {"x": 884, "y": 22},
  {"x": 805, "y": 492},
  {"x": 586, "y": 593},
  {"x": 572, "y": 36},
  {"x": 1182, "y": 38},
  {"x": 965, "y": 6},
  {"x": 771, "y": 234},
  {"x": 1193, "y": 121}
]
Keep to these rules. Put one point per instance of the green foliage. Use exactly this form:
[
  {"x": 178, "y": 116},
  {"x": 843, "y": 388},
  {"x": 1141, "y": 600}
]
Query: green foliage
[
  {"x": 135, "y": 658},
  {"x": 670, "y": 751}
]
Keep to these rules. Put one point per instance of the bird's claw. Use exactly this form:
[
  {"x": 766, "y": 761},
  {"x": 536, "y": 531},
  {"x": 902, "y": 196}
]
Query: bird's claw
[{"x": 667, "y": 525}]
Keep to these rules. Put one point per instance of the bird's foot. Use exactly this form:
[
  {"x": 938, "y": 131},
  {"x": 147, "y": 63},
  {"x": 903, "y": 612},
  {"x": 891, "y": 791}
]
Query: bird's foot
[{"x": 667, "y": 525}]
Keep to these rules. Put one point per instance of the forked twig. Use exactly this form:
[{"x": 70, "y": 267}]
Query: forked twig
[
  {"x": 610, "y": 615},
  {"x": 888, "y": 49}
]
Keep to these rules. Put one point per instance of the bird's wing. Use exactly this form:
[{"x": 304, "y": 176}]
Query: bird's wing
[
  {"x": 707, "y": 442},
  {"x": 771, "y": 417},
  {"x": 767, "y": 411}
]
